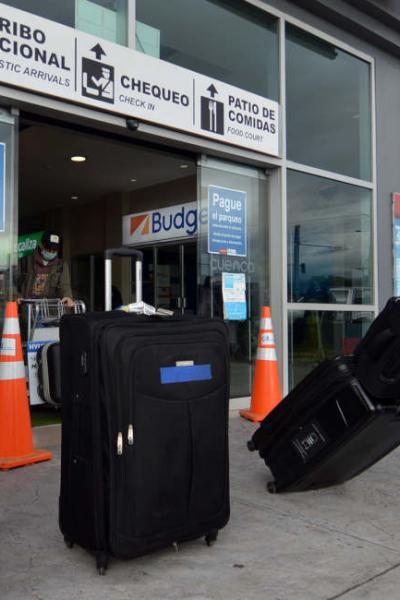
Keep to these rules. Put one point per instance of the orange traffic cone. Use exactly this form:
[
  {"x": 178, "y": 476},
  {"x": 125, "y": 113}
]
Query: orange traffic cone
[
  {"x": 266, "y": 392},
  {"x": 16, "y": 447}
]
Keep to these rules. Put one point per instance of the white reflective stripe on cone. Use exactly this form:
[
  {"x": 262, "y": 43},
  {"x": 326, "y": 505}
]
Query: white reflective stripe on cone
[
  {"x": 12, "y": 370},
  {"x": 266, "y": 324},
  {"x": 266, "y": 354},
  {"x": 11, "y": 325}
]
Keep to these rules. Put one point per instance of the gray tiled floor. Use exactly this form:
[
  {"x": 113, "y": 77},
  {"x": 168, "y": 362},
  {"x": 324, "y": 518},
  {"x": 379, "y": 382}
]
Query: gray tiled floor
[{"x": 343, "y": 542}]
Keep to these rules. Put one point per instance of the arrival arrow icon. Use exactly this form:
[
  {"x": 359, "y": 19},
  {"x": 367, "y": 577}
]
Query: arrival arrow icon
[
  {"x": 98, "y": 50},
  {"x": 213, "y": 90}
]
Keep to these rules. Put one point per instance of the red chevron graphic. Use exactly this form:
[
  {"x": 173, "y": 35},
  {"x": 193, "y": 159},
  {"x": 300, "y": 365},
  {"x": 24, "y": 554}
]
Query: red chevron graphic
[{"x": 137, "y": 221}]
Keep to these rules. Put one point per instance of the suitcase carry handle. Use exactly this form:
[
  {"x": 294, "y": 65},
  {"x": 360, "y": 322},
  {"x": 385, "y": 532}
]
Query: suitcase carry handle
[{"x": 123, "y": 251}]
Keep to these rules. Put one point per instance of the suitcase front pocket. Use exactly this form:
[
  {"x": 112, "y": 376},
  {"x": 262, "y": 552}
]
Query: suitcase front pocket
[
  {"x": 174, "y": 472},
  {"x": 154, "y": 472}
]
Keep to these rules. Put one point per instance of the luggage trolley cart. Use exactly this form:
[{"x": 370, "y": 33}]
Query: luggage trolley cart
[{"x": 43, "y": 319}]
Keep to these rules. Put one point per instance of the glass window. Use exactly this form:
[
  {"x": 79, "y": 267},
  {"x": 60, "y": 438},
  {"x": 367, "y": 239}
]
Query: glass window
[
  {"x": 62, "y": 12},
  {"x": 235, "y": 44},
  {"x": 8, "y": 213},
  {"x": 251, "y": 264},
  {"x": 103, "y": 18},
  {"x": 329, "y": 241},
  {"x": 317, "y": 335},
  {"x": 328, "y": 106}
]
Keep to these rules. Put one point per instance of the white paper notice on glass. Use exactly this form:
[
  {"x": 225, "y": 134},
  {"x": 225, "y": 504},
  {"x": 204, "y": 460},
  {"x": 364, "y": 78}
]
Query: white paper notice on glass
[{"x": 234, "y": 296}]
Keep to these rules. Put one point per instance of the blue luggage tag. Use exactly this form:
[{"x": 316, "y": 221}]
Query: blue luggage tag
[{"x": 183, "y": 373}]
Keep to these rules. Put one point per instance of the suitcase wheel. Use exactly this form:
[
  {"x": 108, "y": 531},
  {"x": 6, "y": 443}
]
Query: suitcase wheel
[
  {"x": 211, "y": 537},
  {"x": 271, "y": 487},
  {"x": 68, "y": 542},
  {"x": 101, "y": 562},
  {"x": 251, "y": 446}
]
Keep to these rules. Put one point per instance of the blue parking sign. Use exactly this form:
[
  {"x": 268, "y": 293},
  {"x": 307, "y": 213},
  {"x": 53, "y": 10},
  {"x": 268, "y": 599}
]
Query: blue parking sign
[{"x": 227, "y": 229}]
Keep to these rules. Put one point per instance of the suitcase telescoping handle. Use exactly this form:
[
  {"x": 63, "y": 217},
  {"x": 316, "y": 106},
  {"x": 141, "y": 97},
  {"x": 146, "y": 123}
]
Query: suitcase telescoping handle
[{"x": 124, "y": 251}]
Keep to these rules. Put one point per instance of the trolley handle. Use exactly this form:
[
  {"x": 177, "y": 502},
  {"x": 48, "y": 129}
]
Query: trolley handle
[
  {"x": 37, "y": 301},
  {"x": 48, "y": 303}
]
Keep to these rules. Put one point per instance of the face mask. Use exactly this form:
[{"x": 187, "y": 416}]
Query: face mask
[{"x": 48, "y": 255}]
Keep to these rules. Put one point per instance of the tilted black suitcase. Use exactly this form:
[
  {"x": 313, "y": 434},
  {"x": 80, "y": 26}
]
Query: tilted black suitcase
[
  {"x": 144, "y": 432},
  {"x": 377, "y": 356},
  {"x": 49, "y": 373},
  {"x": 326, "y": 431}
]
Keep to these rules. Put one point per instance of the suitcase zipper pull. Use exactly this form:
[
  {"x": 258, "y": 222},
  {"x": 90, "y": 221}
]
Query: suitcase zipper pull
[
  {"x": 119, "y": 444},
  {"x": 130, "y": 435}
]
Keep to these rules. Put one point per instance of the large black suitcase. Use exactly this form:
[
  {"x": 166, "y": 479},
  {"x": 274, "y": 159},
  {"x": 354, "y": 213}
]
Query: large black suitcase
[
  {"x": 144, "y": 432},
  {"x": 326, "y": 431}
]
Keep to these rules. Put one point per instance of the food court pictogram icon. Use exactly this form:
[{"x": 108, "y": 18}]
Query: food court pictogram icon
[{"x": 212, "y": 112}]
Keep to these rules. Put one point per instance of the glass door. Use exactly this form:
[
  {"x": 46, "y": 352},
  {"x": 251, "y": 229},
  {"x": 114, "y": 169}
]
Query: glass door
[
  {"x": 233, "y": 247},
  {"x": 170, "y": 277},
  {"x": 189, "y": 277}
]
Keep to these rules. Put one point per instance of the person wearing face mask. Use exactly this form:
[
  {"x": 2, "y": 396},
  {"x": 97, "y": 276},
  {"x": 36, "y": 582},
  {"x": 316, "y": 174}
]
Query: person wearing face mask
[{"x": 47, "y": 276}]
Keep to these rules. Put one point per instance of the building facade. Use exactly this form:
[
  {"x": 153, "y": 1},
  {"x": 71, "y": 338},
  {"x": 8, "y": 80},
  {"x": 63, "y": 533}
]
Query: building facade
[{"x": 249, "y": 148}]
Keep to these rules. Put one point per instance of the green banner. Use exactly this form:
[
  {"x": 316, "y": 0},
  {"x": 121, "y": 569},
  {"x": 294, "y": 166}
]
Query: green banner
[{"x": 27, "y": 243}]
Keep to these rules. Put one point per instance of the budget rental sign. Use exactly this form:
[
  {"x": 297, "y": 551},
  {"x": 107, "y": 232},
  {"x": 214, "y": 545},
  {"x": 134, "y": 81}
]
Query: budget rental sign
[
  {"x": 48, "y": 58},
  {"x": 169, "y": 223}
]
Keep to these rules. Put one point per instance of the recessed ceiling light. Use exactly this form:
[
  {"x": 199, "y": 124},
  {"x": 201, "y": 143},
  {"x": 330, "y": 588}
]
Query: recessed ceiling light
[
  {"x": 133, "y": 179},
  {"x": 78, "y": 158},
  {"x": 184, "y": 166}
]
